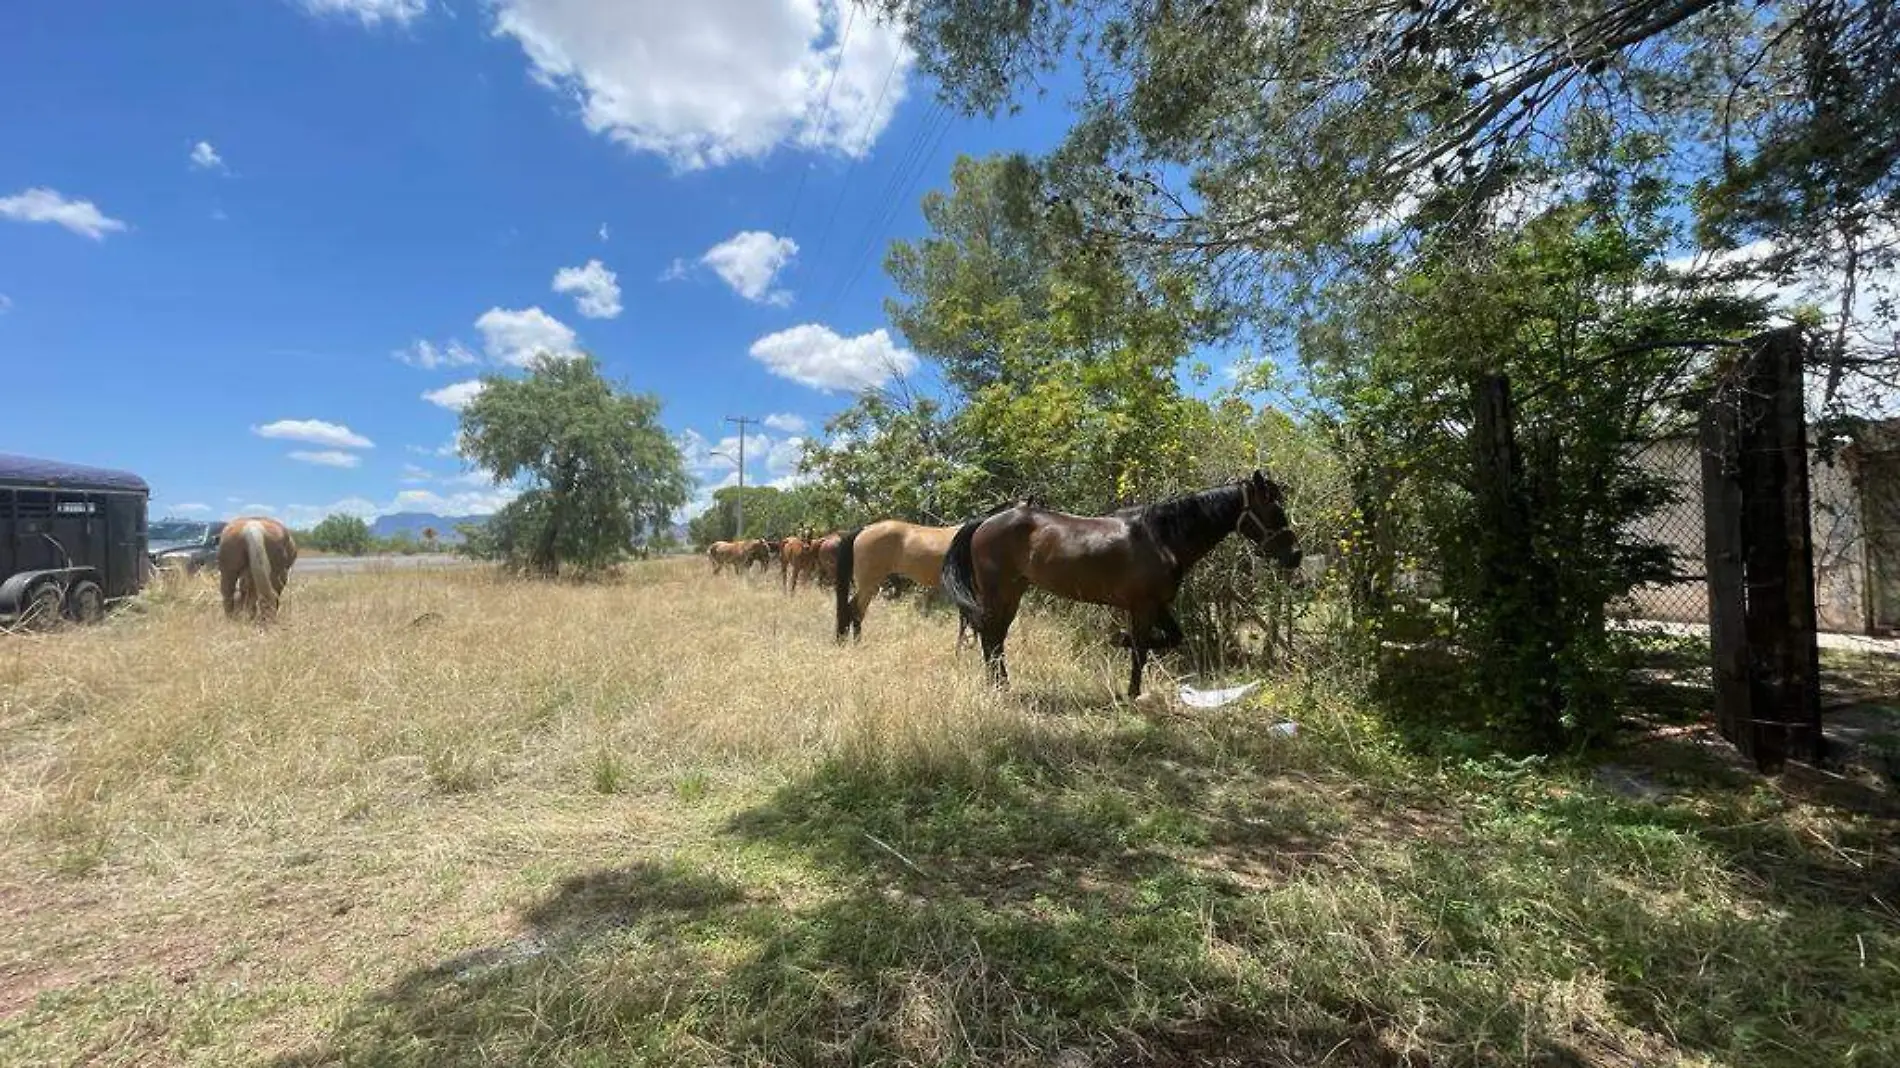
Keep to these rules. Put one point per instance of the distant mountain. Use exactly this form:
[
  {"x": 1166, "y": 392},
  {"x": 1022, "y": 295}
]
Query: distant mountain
[{"x": 414, "y": 523}]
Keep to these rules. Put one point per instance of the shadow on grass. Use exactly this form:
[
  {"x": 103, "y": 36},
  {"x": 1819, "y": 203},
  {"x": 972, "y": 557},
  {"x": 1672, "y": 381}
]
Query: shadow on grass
[{"x": 1175, "y": 893}]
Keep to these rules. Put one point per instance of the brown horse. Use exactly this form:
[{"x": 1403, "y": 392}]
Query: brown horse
[
  {"x": 825, "y": 559},
  {"x": 738, "y": 555},
  {"x": 755, "y": 551},
  {"x": 254, "y": 559},
  {"x": 1135, "y": 560},
  {"x": 796, "y": 557}
]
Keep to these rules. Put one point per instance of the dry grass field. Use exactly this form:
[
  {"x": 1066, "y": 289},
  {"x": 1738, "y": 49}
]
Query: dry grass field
[{"x": 449, "y": 818}]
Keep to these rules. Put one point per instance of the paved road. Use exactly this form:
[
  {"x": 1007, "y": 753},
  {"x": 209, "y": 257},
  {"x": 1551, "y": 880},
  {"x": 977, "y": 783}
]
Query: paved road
[{"x": 337, "y": 565}]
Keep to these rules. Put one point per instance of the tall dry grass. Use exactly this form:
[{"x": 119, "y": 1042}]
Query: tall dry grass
[
  {"x": 451, "y": 818},
  {"x": 375, "y": 690}
]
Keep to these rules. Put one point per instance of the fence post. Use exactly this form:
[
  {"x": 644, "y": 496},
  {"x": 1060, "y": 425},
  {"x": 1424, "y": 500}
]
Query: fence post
[
  {"x": 1521, "y": 657},
  {"x": 1760, "y": 556}
]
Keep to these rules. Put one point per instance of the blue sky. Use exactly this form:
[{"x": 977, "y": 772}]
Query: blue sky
[{"x": 240, "y": 240}]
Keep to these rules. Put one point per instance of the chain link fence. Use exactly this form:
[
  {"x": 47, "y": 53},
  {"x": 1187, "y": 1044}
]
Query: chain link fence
[{"x": 1854, "y": 524}]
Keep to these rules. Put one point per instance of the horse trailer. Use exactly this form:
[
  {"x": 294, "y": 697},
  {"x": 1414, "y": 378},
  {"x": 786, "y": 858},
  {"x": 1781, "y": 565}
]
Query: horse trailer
[{"x": 72, "y": 540}]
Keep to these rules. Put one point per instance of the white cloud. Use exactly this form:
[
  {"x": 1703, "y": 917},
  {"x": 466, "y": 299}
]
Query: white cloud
[
  {"x": 516, "y": 337},
  {"x": 749, "y": 261},
  {"x": 412, "y": 474},
  {"x": 603, "y": 232},
  {"x": 457, "y": 396},
  {"x": 206, "y": 158},
  {"x": 816, "y": 356},
  {"x": 314, "y": 432},
  {"x": 6, "y": 304},
  {"x": 783, "y": 460},
  {"x": 447, "y": 450},
  {"x": 474, "y": 502},
  {"x": 711, "y": 81},
  {"x": 596, "y": 289},
  {"x": 703, "y": 497},
  {"x": 188, "y": 508},
  {"x": 786, "y": 421},
  {"x": 675, "y": 271},
  {"x": 1872, "y": 325},
  {"x": 370, "y": 12},
  {"x": 41, "y": 205},
  {"x": 699, "y": 451},
  {"x": 327, "y": 458},
  {"x": 428, "y": 356}
]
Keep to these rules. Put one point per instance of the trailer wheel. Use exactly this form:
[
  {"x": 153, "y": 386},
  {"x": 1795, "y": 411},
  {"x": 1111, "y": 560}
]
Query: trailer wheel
[
  {"x": 86, "y": 602},
  {"x": 42, "y": 607}
]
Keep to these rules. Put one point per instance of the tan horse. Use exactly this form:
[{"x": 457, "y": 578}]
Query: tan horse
[
  {"x": 869, "y": 555},
  {"x": 738, "y": 555},
  {"x": 796, "y": 556},
  {"x": 254, "y": 559}
]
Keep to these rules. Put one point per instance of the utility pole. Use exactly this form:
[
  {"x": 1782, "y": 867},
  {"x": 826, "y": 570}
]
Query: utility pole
[{"x": 742, "y": 420}]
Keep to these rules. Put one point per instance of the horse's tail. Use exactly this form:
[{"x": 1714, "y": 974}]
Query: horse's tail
[
  {"x": 958, "y": 579},
  {"x": 841, "y": 584},
  {"x": 258, "y": 555}
]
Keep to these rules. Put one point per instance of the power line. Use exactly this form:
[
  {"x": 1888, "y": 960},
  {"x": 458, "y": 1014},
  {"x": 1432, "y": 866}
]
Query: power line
[
  {"x": 864, "y": 145},
  {"x": 824, "y": 110},
  {"x": 892, "y": 204},
  {"x": 866, "y": 240}
]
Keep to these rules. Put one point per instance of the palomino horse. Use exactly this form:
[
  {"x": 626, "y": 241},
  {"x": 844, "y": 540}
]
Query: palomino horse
[
  {"x": 1135, "y": 560},
  {"x": 254, "y": 559},
  {"x": 869, "y": 555}
]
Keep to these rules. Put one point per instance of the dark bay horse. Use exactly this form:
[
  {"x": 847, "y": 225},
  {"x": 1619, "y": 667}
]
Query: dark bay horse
[
  {"x": 1135, "y": 560},
  {"x": 254, "y": 559}
]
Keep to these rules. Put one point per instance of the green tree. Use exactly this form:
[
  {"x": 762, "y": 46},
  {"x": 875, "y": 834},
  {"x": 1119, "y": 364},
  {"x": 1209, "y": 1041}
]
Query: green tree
[
  {"x": 770, "y": 512},
  {"x": 604, "y": 473},
  {"x": 339, "y": 533},
  {"x": 1571, "y": 309},
  {"x": 1242, "y": 143}
]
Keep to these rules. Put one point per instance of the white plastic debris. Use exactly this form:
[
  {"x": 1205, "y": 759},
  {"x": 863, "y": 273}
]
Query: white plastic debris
[
  {"x": 1289, "y": 728},
  {"x": 1194, "y": 698}
]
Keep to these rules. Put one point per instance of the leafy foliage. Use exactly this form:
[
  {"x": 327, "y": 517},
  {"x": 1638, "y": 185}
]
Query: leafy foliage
[
  {"x": 1261, "y": 148},
  {"x": 340, "y": 533},
  {"x": 605, "y": 474},
  {"x": 770, "y": 512},
  {"x": 1529, "y": 559}
]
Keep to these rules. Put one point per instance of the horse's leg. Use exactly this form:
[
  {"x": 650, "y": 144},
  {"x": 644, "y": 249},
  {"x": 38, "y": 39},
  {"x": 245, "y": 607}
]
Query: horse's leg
[
  {"x": 1169, "y": 630},
  {"x": 861, "y": 599},
  {"x": 227, "y": 588},
  {"x": 1141, "y": 626},
  {"x": 999, "y": 611}
]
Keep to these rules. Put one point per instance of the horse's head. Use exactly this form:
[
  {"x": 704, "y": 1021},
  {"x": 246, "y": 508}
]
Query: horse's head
[{"x": 1263, "y": 520}]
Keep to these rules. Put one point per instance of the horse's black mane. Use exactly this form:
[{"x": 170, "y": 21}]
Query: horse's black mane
[{"x": 1198, "y": 519}]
